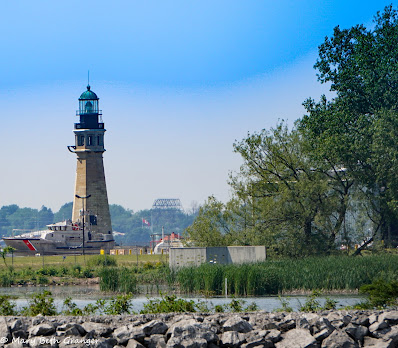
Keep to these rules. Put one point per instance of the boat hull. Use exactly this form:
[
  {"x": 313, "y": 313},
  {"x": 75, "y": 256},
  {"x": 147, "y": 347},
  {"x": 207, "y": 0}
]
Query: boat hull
[{"x": 34, "y": 246}]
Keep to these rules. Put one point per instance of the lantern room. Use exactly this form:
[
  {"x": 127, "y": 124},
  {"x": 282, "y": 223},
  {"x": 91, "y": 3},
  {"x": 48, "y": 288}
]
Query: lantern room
[
  {"x": 88, "y": 102},
  {"x": 90, "y": 115}
]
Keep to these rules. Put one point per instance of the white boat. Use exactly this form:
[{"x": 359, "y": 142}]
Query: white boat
[{"x": 60, "y": 238}]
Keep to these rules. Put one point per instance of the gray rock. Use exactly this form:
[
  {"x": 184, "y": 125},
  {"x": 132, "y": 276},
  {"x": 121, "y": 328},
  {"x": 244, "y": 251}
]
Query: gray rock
[
  {"x": 287, "y": 325},
  {"x": 238, "y": 324},
  {"x": 14, "y": 344},
  {"x": 190, "y": 333},
  {"x": 232, "y": 339},
  {"x": 4, "y": 330},
  {"x": 43, "y": 329},
  {"x": 17, "y": 325},
  {"x": 127, "y": 332},
  {"x": 391, "y": 317},
  {"x": 274, "y": 336},
  {"x": 187, "y": 343},
  {"x": 321, "y": 335},
  {"x": 336, "y": 319},
  {"x": 43, "y": 341},
  {"x": 155, "y": 341},
  {"x": 260, "y": 338},
  {"x": 339, "y": 339},
  {"x": 21, "y": 334},
  {"x": 134, "y": 344},
  {"x": 104, "y": 343},
  {"x": 98, "y": 329},
  {"x": 357, "y": 332},
  {"x": 373, "y": 318},
  {"x": 377, "y": 343},
  {"x": 302, "y": 323},
  {"x": 297, "y": 338},
  {"x": 155, "y": 327},
  {"x": 260, "y": 343},
  {"x": 70, "y": 329},
  {"x": 391, "y": 335},
  {"x": 377, "y": 326}
]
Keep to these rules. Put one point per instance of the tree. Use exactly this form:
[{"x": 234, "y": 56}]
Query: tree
[
  {"x": 297, "y": 204},
  {"x": 6, "y": 250},
  {"x": 356, "y": 129},
  {"x": 210, "y": 228}
]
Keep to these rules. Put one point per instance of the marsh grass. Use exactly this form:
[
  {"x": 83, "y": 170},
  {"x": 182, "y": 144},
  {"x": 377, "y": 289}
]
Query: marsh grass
[
  {"x": 118, "y": 279},
  {"x": 272, "y": 277}
]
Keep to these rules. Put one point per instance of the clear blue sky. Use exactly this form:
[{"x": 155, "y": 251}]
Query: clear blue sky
[{"x": 178, "y": 82}]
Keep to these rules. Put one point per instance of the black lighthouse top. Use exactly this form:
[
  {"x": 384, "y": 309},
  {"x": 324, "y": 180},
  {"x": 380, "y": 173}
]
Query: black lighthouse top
[{"x": 90, "y": 115}]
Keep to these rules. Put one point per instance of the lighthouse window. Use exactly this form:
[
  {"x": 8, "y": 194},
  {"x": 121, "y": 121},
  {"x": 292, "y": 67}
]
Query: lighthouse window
[
  {"x": 80, "y": 140},
  {"x": 100, "y": 140},
  {"x": 90, "y": 140}
]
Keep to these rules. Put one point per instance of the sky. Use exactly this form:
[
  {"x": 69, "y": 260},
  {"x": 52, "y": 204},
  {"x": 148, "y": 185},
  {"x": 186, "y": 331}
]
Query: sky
[{"x": 179, "y": 82}]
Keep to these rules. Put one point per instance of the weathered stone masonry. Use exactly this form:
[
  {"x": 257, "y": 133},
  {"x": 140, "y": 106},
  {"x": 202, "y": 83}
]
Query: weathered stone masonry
[{"x": 259, "y": 329}]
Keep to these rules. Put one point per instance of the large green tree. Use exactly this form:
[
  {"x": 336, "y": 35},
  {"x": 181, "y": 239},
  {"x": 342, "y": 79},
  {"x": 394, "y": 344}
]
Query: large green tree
[
  {"x": 297, "y": 203},
  {"x": 356, "y": 129}
]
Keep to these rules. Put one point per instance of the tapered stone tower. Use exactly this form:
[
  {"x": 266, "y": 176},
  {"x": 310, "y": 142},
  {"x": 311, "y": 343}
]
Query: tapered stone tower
[{"x": 91, "y": 199}]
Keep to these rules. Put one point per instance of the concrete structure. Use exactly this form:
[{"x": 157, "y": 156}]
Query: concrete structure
[
  {"x": 181, "y": 257},
  {"x": 91, "y": 200}
]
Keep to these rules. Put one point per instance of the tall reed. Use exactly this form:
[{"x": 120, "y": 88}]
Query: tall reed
[
  {"x": 118, "y": 280},
  {"x": 271, "y": 277}
]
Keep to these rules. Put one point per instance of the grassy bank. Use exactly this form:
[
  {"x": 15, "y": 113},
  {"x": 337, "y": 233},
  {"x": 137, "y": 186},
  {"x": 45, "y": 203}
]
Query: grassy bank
[
  {"x": 124, "y": 274},
  {"x": 48, "y": 270}
]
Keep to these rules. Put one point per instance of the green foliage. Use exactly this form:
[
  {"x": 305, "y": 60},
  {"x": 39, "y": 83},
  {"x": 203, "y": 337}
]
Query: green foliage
[
  {"x": 381, "y": 293},
  {"x": 210, "y": 226},
  {"x": 271, "y": 277},
  {"x": 312, "y": 303},
  {"x": 6, "y": 250},
  {"x": 71, "y": 307},
  {"x": 40, "y": 303},
  {"x": 118, "y": 280},
  {"x": 6, "y": 306},
  {"x": 357, "y": 130},
  {"x": 285, "y": 305},
  {"x": 7, "y": 279},
  {"x": 121, "y": 304},
  {"x": 219, "y": 309},
  {"x": 168, "y": 304},
  {"x": 235, "y": 305},
  {"x": 102, "y": 260}
]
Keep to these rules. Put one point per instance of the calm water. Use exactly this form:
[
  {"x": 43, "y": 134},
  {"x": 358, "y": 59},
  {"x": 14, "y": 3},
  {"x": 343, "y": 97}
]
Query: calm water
[{"x": 83, "y": 295}]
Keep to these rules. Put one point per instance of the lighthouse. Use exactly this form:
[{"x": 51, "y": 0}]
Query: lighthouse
[{"x": 90, "y": 203}]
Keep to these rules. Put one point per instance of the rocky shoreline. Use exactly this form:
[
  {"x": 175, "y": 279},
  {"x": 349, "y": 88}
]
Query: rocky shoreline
[{"x": 257, "y": 329}]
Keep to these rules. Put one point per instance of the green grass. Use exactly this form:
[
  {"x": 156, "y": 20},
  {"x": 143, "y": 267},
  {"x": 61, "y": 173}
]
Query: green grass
[
  {"x": 36, "y": 262},
  {"x": 122, "y": 273},
  {"x": 271, "y": 277}
]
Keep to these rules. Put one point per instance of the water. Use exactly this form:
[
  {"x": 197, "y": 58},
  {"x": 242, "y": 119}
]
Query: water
[{"x": 83, "y": 295}]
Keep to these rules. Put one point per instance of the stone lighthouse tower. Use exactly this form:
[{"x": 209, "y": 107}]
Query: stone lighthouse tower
[{"x": 90, "y": 204}]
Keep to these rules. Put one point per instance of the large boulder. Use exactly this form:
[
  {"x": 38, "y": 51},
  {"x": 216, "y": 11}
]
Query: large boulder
[
  {"x": 238, "y": 324},
  {"x": 298, "y": 338},
  {"x": 339, "y": 339}
]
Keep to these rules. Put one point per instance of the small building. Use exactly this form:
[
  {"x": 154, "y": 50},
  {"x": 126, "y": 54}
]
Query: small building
[{"x": 182, "y": 257}]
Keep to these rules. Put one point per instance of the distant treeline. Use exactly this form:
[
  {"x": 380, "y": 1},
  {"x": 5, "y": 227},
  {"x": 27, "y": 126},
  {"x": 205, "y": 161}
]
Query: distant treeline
[{"x": 14, "y": 218}]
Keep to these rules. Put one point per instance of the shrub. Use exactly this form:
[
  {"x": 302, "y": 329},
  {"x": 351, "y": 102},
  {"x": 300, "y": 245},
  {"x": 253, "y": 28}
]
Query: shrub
[
  {"x": 168, "y": 304},
  {"x": 102, "y": 260},
  {"x": 6, "y": 306},
  {"x": 40, "y": 303},
  {"x": 121, "y": 304},
  {"x": 381, "y": 293},
  {"x": 7, "y": 279}
]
